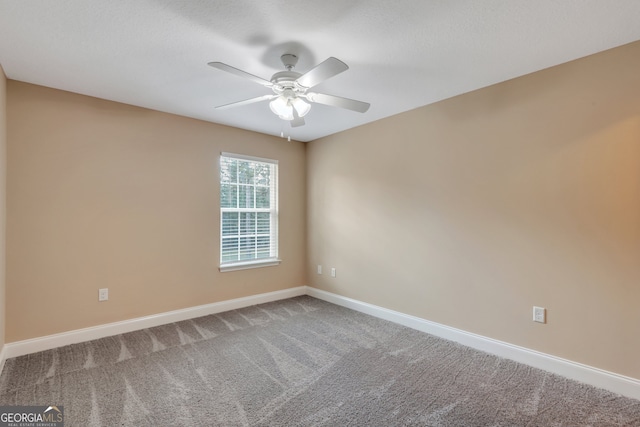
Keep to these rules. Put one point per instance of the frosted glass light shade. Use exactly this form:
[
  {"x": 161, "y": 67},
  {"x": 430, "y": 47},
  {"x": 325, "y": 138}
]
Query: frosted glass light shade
[
  {"x": 283, "y": 107},
  {"x": 302, "y": 108}
]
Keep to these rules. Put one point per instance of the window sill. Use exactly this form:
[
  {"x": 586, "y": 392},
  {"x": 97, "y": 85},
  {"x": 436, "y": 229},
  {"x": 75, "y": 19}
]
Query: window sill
[{"x": 249, "y": 264}]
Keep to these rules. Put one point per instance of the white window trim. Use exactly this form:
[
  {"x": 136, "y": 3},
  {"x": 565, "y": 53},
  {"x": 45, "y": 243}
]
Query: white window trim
[
  {"x": 262, "y": 262},
  {"x": 249, "y": 158},
  {"x": 245, "y": 265}
]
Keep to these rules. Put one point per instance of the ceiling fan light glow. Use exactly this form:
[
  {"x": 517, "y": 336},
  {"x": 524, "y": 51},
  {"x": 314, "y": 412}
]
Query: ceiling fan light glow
[{"x": 281, "y": 108}]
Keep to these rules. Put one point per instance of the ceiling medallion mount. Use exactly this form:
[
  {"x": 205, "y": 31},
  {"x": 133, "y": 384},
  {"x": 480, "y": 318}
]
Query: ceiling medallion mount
[
  {"x": 290, "y": 99},
  {"x": 289, "y": 60}
]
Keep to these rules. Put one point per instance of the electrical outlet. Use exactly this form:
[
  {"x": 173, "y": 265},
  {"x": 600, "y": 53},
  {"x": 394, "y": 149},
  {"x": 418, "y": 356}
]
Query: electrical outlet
[
  {"x": 539, "y": 314},
  {"x": 319, "y": 269},
  {"x": 333, "y": 272},
  {"x": 103, "y": 294}
]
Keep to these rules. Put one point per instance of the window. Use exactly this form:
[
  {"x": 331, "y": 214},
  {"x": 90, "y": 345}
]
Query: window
[{"x": 248, "y": 212}]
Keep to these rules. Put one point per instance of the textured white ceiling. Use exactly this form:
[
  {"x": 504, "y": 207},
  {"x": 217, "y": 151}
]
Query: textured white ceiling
[{"x": 402, "y": 54}]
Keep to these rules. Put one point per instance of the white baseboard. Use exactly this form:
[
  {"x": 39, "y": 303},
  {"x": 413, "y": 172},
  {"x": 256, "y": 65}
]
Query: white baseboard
[
  {"x": 3, "y": 357},
  {"x": 616, "y": 383},
  {"x": 34, "y": 345}
]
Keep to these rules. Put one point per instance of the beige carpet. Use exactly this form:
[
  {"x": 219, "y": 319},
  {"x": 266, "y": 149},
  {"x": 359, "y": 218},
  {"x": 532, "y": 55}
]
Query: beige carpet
[{"x": 299, "y": 362}]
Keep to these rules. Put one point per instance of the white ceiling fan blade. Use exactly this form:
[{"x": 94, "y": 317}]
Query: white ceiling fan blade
[
  {"x": 297, "y": 120},
  {"x": 321, "y": 72},
  {"x": 245, "y": 102},
  {"x": 240, "y": 73},
  {"x": 338, "y": 101}
]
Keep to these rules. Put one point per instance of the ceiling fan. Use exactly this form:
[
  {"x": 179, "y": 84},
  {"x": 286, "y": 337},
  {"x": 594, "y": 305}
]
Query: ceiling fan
[{"x": 290, "y": 89}]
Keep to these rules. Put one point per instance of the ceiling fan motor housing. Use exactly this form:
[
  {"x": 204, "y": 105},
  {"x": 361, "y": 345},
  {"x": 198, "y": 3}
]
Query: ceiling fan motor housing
[{"x": 286, "y": 80}]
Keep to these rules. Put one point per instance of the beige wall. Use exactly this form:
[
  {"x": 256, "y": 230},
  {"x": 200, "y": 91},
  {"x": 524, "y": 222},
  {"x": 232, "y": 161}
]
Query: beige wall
[
  {"x": 3, "y": 205},
  {"x": 102, "y": 194},
  {"x": 470, "y": 211}
]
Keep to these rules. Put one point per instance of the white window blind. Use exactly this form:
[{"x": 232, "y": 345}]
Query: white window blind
[{"x": 248, "y": 212}]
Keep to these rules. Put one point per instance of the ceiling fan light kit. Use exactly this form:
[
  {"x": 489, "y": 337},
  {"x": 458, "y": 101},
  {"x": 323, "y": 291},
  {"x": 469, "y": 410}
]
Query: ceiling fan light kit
[
  {"x": 283, "y": 106},
  {"x": 290, "y": 89}
]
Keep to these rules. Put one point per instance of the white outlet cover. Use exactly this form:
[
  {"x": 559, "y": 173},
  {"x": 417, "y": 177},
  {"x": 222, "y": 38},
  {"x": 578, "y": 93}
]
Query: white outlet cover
[{"x": 539, "y": 314}]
